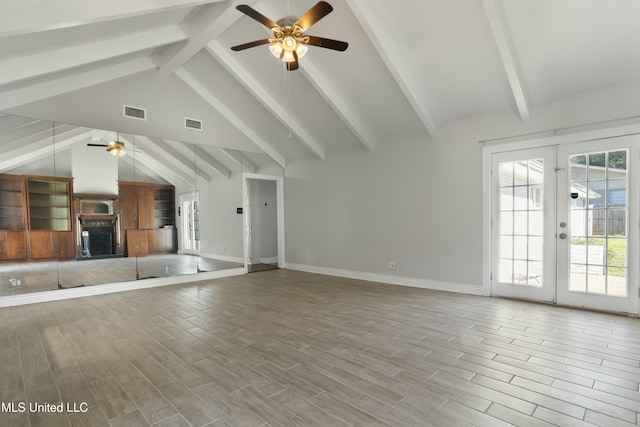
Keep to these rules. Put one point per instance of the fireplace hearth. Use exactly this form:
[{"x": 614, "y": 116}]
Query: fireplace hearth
[
  {"x": 98, "y": 225},
  {"x": 100, "y": 241}
]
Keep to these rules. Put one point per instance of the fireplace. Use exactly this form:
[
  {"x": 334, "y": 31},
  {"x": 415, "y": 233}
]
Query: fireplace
[
  {"x": 98, "y": 225},
  {"x": 99, "y": 242}
]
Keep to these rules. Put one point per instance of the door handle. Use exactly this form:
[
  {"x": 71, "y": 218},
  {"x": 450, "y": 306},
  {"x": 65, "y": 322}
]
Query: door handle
[{"x": 563, "y": 236}]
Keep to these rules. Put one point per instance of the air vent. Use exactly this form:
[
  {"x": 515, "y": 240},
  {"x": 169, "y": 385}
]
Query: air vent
[
  {"x": 192, "y": 123},
  {"x": 135, "y": 112}
]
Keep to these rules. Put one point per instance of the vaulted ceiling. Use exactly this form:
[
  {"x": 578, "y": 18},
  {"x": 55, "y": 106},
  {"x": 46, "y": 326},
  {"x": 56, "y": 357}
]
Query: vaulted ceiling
[{"x": 411, "y": 66}]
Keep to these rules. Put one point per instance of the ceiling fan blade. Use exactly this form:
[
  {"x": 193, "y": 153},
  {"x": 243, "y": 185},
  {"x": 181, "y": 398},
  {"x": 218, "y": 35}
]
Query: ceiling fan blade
[
  {"x": 250, "y": 44},
  {"x": 252, "y": 13},
  {"x": 97, "y": 145},
  {"x": 328, "y": 43},
  {"x": 313, "y": 15}
]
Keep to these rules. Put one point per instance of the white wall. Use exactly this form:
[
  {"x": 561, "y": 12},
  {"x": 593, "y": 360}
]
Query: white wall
[
  {"x": 94, "y": 170},
  {"x": 127, "y": 172},
  {"x": 220, "y": 225},
  {"x": 48, "y": 166},
  {"x": 415, "y": 200}
]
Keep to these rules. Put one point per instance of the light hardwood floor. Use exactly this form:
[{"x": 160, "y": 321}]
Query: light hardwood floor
[{"x": 284, "y": 348}]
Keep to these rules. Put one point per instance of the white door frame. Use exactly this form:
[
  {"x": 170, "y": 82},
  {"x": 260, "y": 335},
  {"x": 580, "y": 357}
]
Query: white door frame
[
  {"x": 190, "y": 195},
  {"x": 279, "y": 180},
  {"x": 517, "y": 143},
  {"x": 544, "y": 289}
]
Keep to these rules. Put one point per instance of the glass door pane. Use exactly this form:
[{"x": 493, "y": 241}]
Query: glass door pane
[
  {"x": 594, "y": 195},
  {"x": 599, "y": 198},
  {"x": 521, "y": 222},
  {"x": 522, "y": 204},
  {"x": 189, "y": 224}
]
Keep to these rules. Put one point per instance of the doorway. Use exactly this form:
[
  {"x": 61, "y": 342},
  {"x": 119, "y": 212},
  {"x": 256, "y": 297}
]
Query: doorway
[
  {"x": 264, "y": 222},
  {"x": 564, "y": 224},
  {"x": 189, "y": 223}
]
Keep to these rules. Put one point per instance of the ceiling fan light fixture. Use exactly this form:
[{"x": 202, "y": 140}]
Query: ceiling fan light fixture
[
  {"x": 289, "y": 44},
  {"x": 116, "y": 148},
  {"x": 288, "y": 56},
  {"x": 301, "y": 50},
  {"x": 276, "y": 49},
  {"x": 284, "y": 49}
]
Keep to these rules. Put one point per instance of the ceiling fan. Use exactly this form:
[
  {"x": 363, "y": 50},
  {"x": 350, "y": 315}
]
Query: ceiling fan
[
  {"x": 289, "y": 43},
  {"x": 116, "y": 148}
]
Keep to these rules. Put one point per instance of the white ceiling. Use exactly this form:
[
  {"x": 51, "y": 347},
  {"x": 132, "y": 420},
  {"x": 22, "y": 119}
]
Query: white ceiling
[{"x": 411, "y": 66}]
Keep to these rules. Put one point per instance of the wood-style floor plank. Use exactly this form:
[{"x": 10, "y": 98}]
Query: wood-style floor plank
[{"x": 285, "y": 348}]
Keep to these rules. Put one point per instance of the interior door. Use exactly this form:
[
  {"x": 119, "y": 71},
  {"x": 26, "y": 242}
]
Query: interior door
[
  {"x": 598, "y": 224},
  {"x": 523, "y": 217}
]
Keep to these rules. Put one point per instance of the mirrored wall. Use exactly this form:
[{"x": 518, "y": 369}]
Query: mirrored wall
[{"x": 85, "y": 207}]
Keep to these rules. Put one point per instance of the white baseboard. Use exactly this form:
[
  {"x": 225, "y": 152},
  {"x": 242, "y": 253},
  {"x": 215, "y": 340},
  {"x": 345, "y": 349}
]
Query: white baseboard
[
  {"x": 269, "y": 260},
  {"x": 388, "y": 279},
  {"x": 85, "y": 291},
  {"x": 237, "y": 259},
  {"x": 61, "y": 294}
]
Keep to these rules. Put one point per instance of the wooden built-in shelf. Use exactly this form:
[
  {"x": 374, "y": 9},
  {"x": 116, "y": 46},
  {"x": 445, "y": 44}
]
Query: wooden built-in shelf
[
  {"x": 151, "y": 208},
  {"x": 35, "y": 217}
]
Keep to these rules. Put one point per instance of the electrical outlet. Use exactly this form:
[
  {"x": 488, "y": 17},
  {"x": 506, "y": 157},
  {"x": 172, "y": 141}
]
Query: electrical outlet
[{"x": 392, "y": 265}]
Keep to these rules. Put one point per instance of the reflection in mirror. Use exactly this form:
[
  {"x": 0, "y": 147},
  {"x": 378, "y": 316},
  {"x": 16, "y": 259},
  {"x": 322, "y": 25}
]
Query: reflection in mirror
[
  {"x": 82, "y": 207},
  {"x": 96, "y": 164},
  {"x": 33, "y": 205},
  {"x": 261, "y": 216},
  {"x": 217, "y": 225},
  {"x": 169, "y": 172},
  {"x": 149, "y": 218}
]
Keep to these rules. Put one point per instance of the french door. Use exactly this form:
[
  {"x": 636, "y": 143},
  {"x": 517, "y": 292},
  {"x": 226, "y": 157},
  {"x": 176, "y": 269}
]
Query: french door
[
  {"x": 190, "y": 224},
  {"x": 565, "y": 224},
  {"x": 523, "y": 248}
]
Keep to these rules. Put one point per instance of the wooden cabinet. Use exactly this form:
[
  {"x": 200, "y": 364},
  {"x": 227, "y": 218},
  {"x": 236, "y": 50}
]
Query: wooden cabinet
[
  {"x": 128, "y": 207},
  {"x": 35, "y": 218},
  {"x": 137, "y": 243},
  {"x": 165, "y": 240},
  {"x": 49, "y": 204},
  {"x": 50, "y": 226},
  {"x": 137, "y": 206},
  {"x": 149, "y": 208},
  {"x": 165, "y": 235},
  {"x": 164, "y": 207},
  {"x": 66, "y": 246},
  {"x": 145, "y": 208},
  {"x": 41, "y": 244},
  {"x": 13, "y": 246},
  {"x": 12, "y": 203},
  {"x": 47, "y": 244}
]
